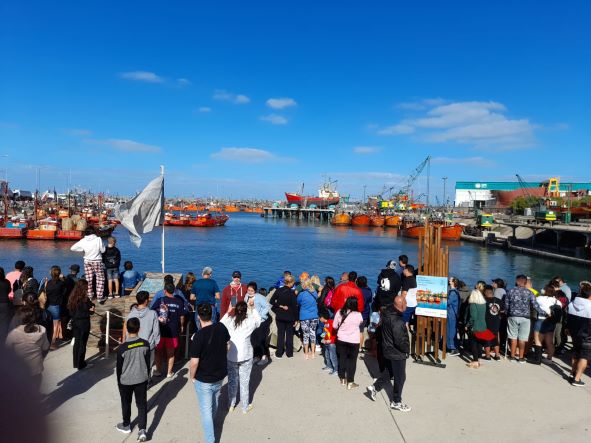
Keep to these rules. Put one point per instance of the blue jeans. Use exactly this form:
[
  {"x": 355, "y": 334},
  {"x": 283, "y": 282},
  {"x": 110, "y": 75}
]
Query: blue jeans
[
  {"x": 452, "y": 341},
  {"x": 208, "y": 395},
  {"x": 330, "y": 356}
]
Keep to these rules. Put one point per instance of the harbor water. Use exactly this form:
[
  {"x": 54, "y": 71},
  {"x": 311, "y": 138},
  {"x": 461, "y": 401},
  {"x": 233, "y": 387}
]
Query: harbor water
[{"x": 263, "y": 248}]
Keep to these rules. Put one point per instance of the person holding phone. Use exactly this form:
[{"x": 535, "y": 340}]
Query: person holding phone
[{"x": 233, "y": 293}]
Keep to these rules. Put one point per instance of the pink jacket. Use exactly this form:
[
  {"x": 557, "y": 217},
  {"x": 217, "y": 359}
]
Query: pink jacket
[{"x": 350, "y": 329}]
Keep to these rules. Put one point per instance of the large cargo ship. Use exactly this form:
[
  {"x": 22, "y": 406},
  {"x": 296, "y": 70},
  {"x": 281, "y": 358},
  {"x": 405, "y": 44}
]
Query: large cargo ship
[{"x": 327, "y": 196}]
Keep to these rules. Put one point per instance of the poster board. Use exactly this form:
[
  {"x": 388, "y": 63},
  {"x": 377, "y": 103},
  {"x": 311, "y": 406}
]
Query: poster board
[{"x": 431, "y": 296}]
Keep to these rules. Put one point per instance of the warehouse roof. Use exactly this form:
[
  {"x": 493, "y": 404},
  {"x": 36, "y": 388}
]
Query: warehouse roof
[{"x": 512, "y": 186}]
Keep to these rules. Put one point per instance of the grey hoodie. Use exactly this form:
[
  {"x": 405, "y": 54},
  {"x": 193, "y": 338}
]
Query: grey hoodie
[{"x": 149, "y": 325}]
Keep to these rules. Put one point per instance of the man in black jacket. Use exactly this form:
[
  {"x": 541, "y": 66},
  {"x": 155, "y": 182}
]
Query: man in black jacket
[
  {"x": 579, "y": 326},
  {"x": 396, "y": 349}
]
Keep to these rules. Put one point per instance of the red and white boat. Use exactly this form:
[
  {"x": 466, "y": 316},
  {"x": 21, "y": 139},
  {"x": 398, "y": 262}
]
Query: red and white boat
[{"x": 327, "y": 196}]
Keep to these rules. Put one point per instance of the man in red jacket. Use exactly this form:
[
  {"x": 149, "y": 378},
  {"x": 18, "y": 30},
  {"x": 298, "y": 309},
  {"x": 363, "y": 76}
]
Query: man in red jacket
[
  {"x": 233, "y": 293},
  {"x": 345, "y": 290}
]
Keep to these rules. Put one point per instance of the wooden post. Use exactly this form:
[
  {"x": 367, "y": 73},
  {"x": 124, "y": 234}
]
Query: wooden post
[{"x": 433, "y": 260}]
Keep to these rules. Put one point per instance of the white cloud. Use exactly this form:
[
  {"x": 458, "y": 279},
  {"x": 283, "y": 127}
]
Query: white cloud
[
  {"x": 142, "y": 76},
  {"x": 182, "y": 82},
  {"x": 204, "y": 109},
  {"x": 483, "y": 125},
  {"x": 275, "y": 119},
  {"x": 398, "y": 129},
  {"x": 226, "y": 96},
  {"x": 127, "y": 145},
  {"x": 78, "y": 132},
  {"x": 280, "y": 103},
  {"x": 421, "y": 104},
  {"x": 247, "y": 155},
  {"x": 472, "y": 161},
  {"x": 365, "y": 149}
]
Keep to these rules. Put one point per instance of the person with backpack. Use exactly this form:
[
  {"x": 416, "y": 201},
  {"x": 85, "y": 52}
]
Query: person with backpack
[
  {"x": 133, "y": 373},
  {"x": 388, "y": 286},
  {"x": 149, "y": 324},
  {"x": 112, "y": 261},
  {"x": 453, "y": 309},
  {"x": 348, "y": 323}
]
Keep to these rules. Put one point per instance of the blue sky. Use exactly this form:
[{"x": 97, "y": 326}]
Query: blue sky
[{"x": 249, "y": 99}]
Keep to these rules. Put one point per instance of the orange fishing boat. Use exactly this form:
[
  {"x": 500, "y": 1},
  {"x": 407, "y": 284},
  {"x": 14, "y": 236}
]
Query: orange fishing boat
[
  {"x": 41, "y": 234},
  {"x": 393, "y": 221},
  {"x": 12, "y": 233},
  {"x": 377, "y": 220},
  {"x": 231, "y": 208},
  {"x": 448, "y": 232},
  {"x": 360, "y": 220},
  {"x": 341, "y": 219},
  {"x": 208, "y": 220}
]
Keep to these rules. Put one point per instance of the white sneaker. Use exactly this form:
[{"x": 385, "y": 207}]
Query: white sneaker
[
  {"x": 372, "y": 392},
  {"x": 400, "y": 407}
]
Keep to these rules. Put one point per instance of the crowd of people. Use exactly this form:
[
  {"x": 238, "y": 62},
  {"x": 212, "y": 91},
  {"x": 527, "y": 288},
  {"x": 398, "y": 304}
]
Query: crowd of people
[{"x": 235, "y": 326}]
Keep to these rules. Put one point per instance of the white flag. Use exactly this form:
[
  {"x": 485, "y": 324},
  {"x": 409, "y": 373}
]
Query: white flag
[{"x": 144, "y": 212}]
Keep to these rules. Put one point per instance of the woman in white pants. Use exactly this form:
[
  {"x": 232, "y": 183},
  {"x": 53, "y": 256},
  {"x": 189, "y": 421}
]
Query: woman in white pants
[{"x": 241, "y": 321}]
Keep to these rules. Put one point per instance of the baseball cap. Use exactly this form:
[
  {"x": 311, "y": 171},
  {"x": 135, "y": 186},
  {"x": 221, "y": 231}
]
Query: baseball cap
[{"x": 236, "y": 274}]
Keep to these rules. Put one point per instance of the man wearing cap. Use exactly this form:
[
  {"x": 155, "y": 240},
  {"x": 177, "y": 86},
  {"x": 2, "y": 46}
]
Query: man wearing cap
[
  {"x": 205, "y": 290},
  {"x": 233, "y": 293}
]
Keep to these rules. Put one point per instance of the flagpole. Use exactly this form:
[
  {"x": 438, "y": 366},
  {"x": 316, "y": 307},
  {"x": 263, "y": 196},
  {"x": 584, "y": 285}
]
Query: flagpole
[{"x": 163, "y": 201}]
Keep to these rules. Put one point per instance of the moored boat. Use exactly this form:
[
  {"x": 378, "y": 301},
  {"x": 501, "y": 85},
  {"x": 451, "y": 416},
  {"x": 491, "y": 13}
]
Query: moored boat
[
  {"x": 231, "y": 208},
  {"x": 448, "y": 232},
  {"x": 341, "y": 219},
  {"x": 208, "y": 220},
  {"x": 12, "y": 233},
  {"x": 360, "y": 220}
]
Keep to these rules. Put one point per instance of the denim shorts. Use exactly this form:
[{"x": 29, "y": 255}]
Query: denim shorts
[
  {"x": 54, "y": 310},
  {"x": 543, "y": 326},
  {"x": 113, "y": 274},
  {"x": 518, "y": 328}
]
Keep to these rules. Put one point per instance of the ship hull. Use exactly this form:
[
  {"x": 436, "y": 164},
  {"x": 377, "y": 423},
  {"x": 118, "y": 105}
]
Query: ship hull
[
  {"x": 452, "y": 233},
  {"x": 393, "y": 221},
  {"x": 377, "y": 220},
  {"x": 341, "y": 219},
  {"x": 12, "y": 233},
  {"x": 360, "y": 220},
  {"x": 309, "y": 200},
  {"x": 505, "y": 198}
]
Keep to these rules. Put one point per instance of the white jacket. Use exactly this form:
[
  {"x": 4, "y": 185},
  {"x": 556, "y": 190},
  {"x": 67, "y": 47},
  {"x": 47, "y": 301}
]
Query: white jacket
[
  {"x": 545, "y": 303},
  {"x": 92, "y": 246},
  {"x": 240, "y": 346}
]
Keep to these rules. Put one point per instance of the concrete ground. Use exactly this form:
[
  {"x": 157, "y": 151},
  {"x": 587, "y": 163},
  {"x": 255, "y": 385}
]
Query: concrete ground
[{"x": 295, "y": 401}]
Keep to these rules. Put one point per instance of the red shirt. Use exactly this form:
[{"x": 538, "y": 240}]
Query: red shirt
[
  {"x": 329, "y": 335},
  {"x": 343, "y": 292},
  {"x": 231, "y": 291}
]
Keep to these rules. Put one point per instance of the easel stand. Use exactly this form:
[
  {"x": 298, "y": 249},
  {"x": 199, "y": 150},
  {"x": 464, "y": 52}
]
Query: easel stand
[{"x": 430, "y": 331}]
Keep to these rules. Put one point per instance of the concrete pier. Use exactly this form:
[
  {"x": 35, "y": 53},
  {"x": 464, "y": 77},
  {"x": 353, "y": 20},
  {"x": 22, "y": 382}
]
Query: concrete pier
[{"x": 310, "y": 214}]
